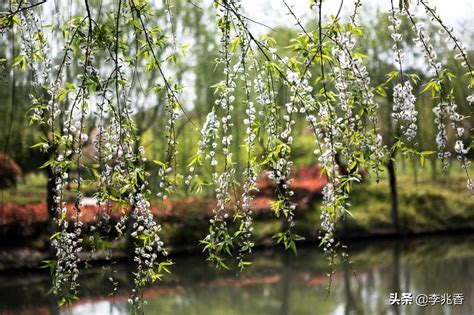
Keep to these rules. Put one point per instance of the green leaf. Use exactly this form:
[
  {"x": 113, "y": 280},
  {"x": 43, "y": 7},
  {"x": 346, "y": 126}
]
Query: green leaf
[
  {"x": 234, "y": 43},
  {"x": 55, "y": 235},
  {"x": 407, "y": 4},
  {"x": 184, "y": 48},
  {"x": 20, "y": 61},
  {"x": 349, "y": 213},
  {"x": 381, "y": 91},
  {"x": 293, "y": 247},
  {"x": 274, "y": 67},
  {"x": 428, "y": 152},
  {"x": 46, "y": 164},
  {"x": 403, "y": 4},
  {"x": 242, "y": 264},
  {"x": 118, "y": 229}
]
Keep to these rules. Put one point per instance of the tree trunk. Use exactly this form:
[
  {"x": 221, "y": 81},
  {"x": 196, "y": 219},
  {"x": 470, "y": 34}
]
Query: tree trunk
[
  {"x": 433, "y": 168},
  {"x": 392, "y": 178},
  {"x": 415, "y": 171},
  {"x": 50, "y": 187}
]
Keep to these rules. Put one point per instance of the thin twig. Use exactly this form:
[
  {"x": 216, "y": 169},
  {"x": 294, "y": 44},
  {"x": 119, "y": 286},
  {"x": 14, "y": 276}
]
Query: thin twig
[
  {"x": 20, "y": 9},
  {"x": 160, "y": 69}
]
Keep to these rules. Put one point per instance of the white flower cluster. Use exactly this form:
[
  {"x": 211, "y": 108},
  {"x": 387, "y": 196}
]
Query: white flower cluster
[
  {"x": 422, "y": 41},
  {"x": 209, "y": 134},
  {"x": 67, "y": 246},
  {"x": 279, "y": 135},
  {"x": 172, "y": 110},
  {"x": 459, "y": 147},
  {"x": 269, "y": 113},
  {"x": 358, "y": 78},
  {"x": 342, "y": 135},
  {"x": 165, "y": 187},
  {"x": 443, "y": 109},
  {"x": 35, "y": 50},
  {"x": 394, "y": 29},
  {"x": 451, "y": 39},
  {"x": 149, "y": 246},
  {"x": 67, "y": 239},
  {"x": 470, "y": 99},
  {"x": 446, "y": 109},
  {"x": 105, "y": 142},
  {"x": 122, "y": 170},
  {"x": 281, "y": 166},
  {"x": 249, "y": 123},
  {"x": 146, "y": 230},
  {"x": 67, "y": 243},
  {"x": 404, "y": 110},
  {"x": 219, "y": 239},
  {"x": 247, "y": 197},
  {"x": 225, "y": 103},
  {"x": 328, "y": 217},
  {"x": 343, "y": 83},
  {"x": 250, "y": 173},
  {"x": 439, "y": 112}
]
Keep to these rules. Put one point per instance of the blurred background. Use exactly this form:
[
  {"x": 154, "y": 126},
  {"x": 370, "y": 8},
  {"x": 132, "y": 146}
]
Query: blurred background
[{"x": 424, "y": 243}]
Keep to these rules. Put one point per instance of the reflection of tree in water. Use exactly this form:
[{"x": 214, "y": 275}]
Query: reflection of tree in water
[
  {"x": 278, "y": 283},
  {"x": 53, "y": 305},
  {"x": 352, "y": 303},
  {"x": 396, "y": 275},
  {"x": 285, "y": 285},
  {"x": 417, "y": 266}
]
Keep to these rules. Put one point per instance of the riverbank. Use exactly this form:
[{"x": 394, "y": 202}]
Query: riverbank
[{"x": 426, "y": 207}]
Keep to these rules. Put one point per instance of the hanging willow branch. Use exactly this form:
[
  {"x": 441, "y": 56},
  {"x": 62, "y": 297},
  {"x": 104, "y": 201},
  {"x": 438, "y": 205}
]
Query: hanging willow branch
[{"x": 323, "y": 82}]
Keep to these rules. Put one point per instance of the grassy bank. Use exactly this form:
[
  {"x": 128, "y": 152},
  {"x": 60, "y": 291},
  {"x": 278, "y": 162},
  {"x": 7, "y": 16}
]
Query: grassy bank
[{"x": 426, "y": 205}]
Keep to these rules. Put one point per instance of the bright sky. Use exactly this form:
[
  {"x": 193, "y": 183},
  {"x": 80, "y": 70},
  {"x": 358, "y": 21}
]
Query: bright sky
[{"x": 273, "y": 12}]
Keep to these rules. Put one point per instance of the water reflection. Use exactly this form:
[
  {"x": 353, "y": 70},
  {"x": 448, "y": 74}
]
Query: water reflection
[{"x": 277, "y": 283}]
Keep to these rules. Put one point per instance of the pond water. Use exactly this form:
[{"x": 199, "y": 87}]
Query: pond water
[{"x": 279, "y": 283}]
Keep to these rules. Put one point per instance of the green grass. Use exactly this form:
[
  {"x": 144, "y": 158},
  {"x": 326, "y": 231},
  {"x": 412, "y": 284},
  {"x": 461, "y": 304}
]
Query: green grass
[
  {"x": 426, "y": 205},
  {"x": 31, "y": 189}
]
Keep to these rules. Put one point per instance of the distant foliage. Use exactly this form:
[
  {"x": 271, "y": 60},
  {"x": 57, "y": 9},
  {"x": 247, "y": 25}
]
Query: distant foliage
[
  {"x": 321, "y": 80},
  {"x": 10, "y": 172}
]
